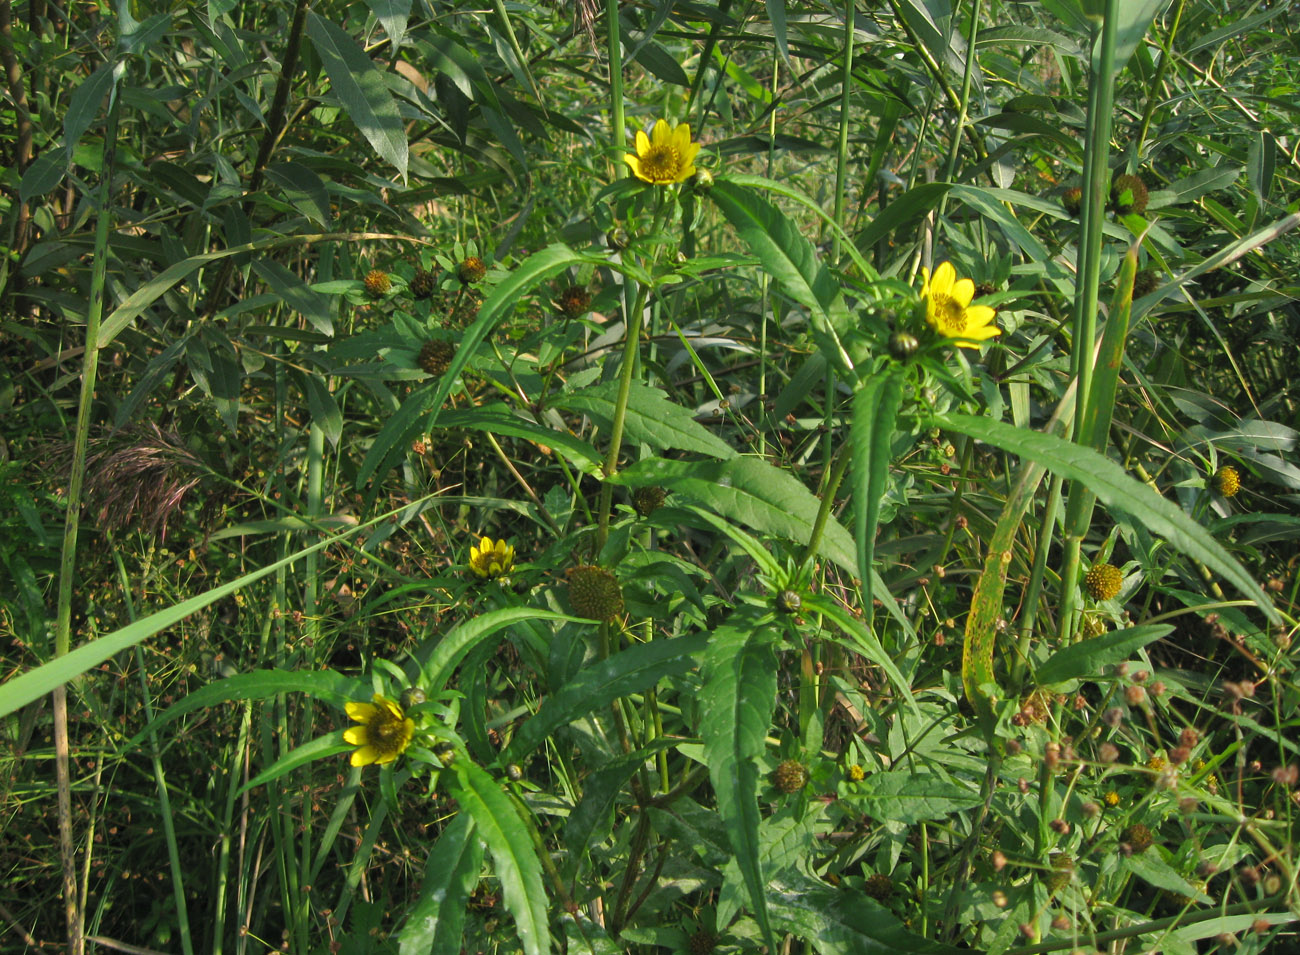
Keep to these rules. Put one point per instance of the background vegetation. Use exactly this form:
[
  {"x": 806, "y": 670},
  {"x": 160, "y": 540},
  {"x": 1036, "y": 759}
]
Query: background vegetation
[{"x": 861, "y": 684}]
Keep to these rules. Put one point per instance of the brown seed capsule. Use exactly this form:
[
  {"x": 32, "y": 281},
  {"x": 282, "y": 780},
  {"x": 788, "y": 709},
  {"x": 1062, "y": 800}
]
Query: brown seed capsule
[
  {"x": 879, "y": 887},
  {"x": 1128, "y": 195},
  {"x": 647, "y": 500},
  {"x": 574, "y": 302},
  {"x": 1138, "y": 838},
  {"x": 1072, "y": 199},
  {"x": 422, "y": 284},
  {"x": 435, "y": 356}
]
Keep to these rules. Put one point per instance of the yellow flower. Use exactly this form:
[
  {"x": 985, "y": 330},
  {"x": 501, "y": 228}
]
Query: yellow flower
[
  {"x": 948, "y": 309},
  {"x": 666, "y": 156},
  {"x": 1111, "y": 798},
  {"x": 1227, "y": 481},
  {"x": 384, "y": 733},
  {"x": 491, "y": 560}
]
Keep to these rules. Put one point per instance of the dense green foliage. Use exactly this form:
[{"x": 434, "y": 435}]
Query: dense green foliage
[{"x": 687, "y": 558}]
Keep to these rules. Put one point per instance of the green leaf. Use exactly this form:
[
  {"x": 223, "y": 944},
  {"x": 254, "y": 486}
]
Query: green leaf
[
  {"x": 914, "y": 797},
  {"x": 599, "y": 790},
  {"x": 1151, "y": 868},
  {"x": 637, "y": 668},
  {"x": 790, "y": 259},
  {"x": 45, "y": 172},
  {"x": 842, "y": 922},
  {"x": 1134, "y": 19},
  {"x": 865, "y": 642},
  {"x": 86, "y": 99},
  {"x": 511, "y": 847},
  {"x": 392, "y": 16},
  {"x": 1086, "y": 659},
  {"x": 326, "y": 685},
  {"x": 651, "y": 418},
  {"x": 875, "y": 414},
  {"x": 324, "y": 409},
  {"x": 36, "y": 683},
  {"x": 753, "y": 493},
  {"x": 736, "y": 706},
  {"x": 361, "y": 89},
  {"x": 436, "y": 922},
  {"x": 441, "y": 654},
  {"x": 323, "y": 747},
  {"x": 1114, "y": 487},
  {"x": 499, "y": 419},
  {"x": 907, "y": 208},
  {"x": 303, "y": 188}
]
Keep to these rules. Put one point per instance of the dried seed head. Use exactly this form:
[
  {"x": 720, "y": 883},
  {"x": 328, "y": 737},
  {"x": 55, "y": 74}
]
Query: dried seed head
[
  {"x": 435, "y": 356},
  {"x": 1128, "y": 195},
  {"x": 377, "y": 283},
  {"x": 471, "y": 270},
  {"x": 594, "y": 592},
  {"x": 790, "y": 776}
]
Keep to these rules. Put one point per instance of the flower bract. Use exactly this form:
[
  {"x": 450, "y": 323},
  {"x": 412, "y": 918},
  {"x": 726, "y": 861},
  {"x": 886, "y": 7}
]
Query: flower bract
[
  {"x": 948, "y": 308},
  {"x": 666, "y": 156},
  {"x": 383, "y": 734},
  {"x": 491, "y": 559}
]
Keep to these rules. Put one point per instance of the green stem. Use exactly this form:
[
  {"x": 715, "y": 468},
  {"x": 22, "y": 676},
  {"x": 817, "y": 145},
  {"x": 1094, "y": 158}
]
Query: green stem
[
  {"x": 614, "y": 50},
  {"x": 842, "y": 149},
  {"x": 73, "y": 906},
  {"x": 827, "y": 504},
  {"x": 1096, "y": 169}
]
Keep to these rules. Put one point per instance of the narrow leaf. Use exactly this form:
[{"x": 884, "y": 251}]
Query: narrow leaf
[
  {"x": 436, "y": 922},
  {"x": 736, "y": 706},
  {"x": 1117, "y": 489},
  {"x": 1089, "y": 658},
  {"x": 511, "y": 847},
  {"x": 633, "y": 670},
  {"x": 361, "y": 89},
  {"x": 651, "y": 418}
]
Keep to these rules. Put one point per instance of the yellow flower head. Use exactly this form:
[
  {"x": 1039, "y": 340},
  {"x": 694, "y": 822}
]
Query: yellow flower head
[
  {"x": 384, "y": 733},
  {"x": 948, "y": 309},
  {"x": 1111, "y": 798},
  {"x": 491, "y": 560},
  {"x": 666, "y": 156}
]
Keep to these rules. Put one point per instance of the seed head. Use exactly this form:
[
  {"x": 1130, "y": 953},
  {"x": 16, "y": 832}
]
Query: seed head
[
  {"x": 1072, "y": 199},
  {"x": 421, "y": 283},
  {"x": 377, "y": 283},
  {"x": 1128, "y": 195},
  {"x": 1137, "y": 837},
  {"x": 1102, "y": 582},
  {"x": 435, "y": 356},
  {"x": 574, "y": 302},
  {"x": 471, "y": 270},
  {"x": 790, "y": 776},
  {"x": 879, "y": 887},
  {"x": 594, "y": 592},
  {"x": 647, "y": 500}
]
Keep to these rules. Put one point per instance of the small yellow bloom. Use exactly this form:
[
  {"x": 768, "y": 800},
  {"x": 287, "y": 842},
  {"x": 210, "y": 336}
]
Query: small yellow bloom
[
  {"x": 666, "y": 156},
  {"x": 1227, "y": 481},
  {"x": 1111, "y": 798},
  {"x": 490, "y": 560},
  {"x": 384, "y": 733},
  {"x": 948, "y": 309},
  {"x": 857, "y": 773}
]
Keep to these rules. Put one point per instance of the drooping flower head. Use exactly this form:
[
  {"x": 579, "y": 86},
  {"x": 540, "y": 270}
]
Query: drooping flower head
[
  {"x": 384, "y": 733},
  {"x": 489, "y": 559},
  {"x": 664, "y": 157},
  {"x": 948, "y": 309}
]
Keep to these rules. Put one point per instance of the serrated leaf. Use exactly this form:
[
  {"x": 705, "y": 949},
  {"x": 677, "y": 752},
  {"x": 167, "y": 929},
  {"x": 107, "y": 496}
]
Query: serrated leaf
[
  {"x": 651, "y": 418},
  {"x": 1117, "y": 489},
  {"x": 1086, "y": 659},
  {"x": 511, "y": 847},
  {"x": 361, "y": 89},
  {"x": 436, "y": 922},
  {"x": 736, "y": 706},
  {"x": 914, "y": 797},
  {"x": 599, "y": 684}
]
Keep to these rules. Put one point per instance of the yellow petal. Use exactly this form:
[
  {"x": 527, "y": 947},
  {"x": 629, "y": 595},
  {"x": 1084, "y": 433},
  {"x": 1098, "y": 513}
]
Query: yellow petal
[
  {"x": 941, "y": 281},
  {"x": 356, "y": 735},
  {"x": 389, "y": 706},
  {"x": 642, "y": 143},
  {"x": 963, "y": 290},
  {"x": 361, "y": 712},
  {"x": 365, "y": 756},
  {"x": 662, "y": 133},
  {"x": 978, "y": 315}
]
